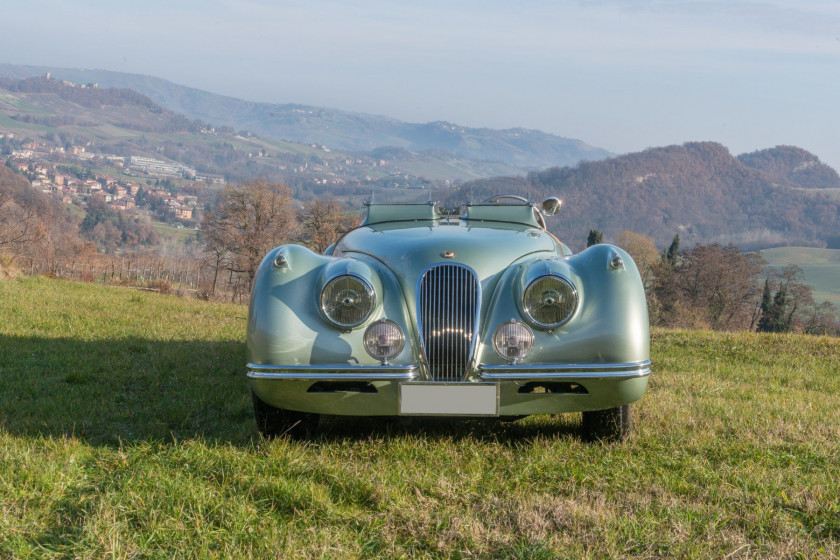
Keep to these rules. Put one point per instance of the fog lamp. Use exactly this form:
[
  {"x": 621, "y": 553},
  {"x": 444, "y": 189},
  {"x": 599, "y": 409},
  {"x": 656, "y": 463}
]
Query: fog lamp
[
  {"x": 513, "y": 340},
  {"x": 383, "y": 340}
]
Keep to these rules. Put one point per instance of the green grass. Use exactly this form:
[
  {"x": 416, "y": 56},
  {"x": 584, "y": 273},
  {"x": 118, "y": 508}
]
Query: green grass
[
  {"x": 424, "y": 166},
  {"x": 126, "y": 431},
  {"x": 821, "y": 268},
  {"x": 179, "y": 235},
  {"x": 11, "y": 125},
  {"x": 112, "y": 132},
  {"x": 20, "y": 104}
]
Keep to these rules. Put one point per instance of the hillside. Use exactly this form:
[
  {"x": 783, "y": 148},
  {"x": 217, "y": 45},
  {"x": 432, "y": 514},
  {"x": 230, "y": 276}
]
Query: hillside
[
  {"x": 33, "y": 224},
  {"x": 697, "y": 190},
  {"x": 124, "y": 122},
  {"x": 792, "y": 165},
  {"x": 126, "y": 431},
  {"x": 55, "y": 104},
  {"x": 339, "y": 130}
]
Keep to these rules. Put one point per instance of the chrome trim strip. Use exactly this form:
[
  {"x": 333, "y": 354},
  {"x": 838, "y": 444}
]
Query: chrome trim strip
[
  {"x": 333, "y": 377},
  {"x": 564, "y": 371},
  {"x": 333, "y": 373}
]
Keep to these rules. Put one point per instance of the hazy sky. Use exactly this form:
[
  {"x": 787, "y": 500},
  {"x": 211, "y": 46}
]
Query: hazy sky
[{"x": 619, "y": 74}]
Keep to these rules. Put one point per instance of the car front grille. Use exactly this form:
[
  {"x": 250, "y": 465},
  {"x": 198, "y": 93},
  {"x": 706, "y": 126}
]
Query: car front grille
[{"x": 448, "y": 303}]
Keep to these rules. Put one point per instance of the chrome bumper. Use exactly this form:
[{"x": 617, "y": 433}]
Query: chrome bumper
[
  {"x": 544, "y": 372},
  {"x": 290, "y": 387},
  {"x": 333, "y": 373},
  {"x": 507, "y": 372}
]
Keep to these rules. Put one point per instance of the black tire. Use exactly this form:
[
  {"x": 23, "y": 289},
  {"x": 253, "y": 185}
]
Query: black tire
[
  {"x": 612, "y": 424},
  {"x": 275, "y": 422}
]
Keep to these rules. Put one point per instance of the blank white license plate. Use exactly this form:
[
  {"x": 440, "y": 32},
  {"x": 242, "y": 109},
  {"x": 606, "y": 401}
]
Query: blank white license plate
[{"x": 462, "y": 399}]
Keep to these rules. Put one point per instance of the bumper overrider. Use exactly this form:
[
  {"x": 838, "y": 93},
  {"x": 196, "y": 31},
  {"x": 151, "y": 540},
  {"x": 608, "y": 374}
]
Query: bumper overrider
[{"x": 491, "y": 390}]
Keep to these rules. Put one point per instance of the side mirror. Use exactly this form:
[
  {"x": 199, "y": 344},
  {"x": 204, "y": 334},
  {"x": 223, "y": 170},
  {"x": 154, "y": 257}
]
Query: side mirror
[{"x": 550, "y": 206}]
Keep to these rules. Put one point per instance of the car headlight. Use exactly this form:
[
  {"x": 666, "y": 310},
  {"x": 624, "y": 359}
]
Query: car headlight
[
  {"x": 513, "y": 340},
  {"x": 549, "y": 301},
  {"x": 384, "y": 339},
  {"x": 347, "y": 300}
]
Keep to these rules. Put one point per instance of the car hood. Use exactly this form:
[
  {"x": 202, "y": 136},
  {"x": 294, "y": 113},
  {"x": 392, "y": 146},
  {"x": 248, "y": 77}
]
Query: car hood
[{"x": 408, "y": 249}]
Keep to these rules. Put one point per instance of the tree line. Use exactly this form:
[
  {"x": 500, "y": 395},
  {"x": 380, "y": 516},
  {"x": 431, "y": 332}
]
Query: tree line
[
  {"x": 698, "y": 189},
  {"x": 250, "y": 219},
  {"x": 704, "y": 286},
  {"x": 720, "y": 287},
  {"x": 91, "y": 97},
  {"x": 40, "y": 235},
  {"x": 709, "y": 286}
]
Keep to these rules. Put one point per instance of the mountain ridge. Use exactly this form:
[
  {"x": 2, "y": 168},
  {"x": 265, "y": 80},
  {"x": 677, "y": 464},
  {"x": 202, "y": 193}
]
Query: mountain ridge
[
  {"x": 126, "y": 123},
  {"x": 525, "y": 149},
  {"x": 698, "y": 190},
  {"x": 794, "y": 165}
]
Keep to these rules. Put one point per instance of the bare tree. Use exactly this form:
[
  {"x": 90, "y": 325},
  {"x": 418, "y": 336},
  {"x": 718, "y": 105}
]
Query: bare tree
[
  {"x": 788, "y": 304},
  {"x": 644, "y": 253},
  {"x": 247, "y": 221},
  {"x": 19, "y": 219},
  {"x": 716, "y": 285},
  {"x": 324, "y": 221},
  {"x": 648, "y": 261},
  {"x": 213, "y": 247},
  {"x": 819, "y": 318}
]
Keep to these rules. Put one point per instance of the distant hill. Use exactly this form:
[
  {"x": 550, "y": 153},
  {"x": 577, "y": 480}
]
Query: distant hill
[
  {"x": 115, "y": 121},
  {"x": 780, "y": 196},
  {"x": 697, "y": 190},
  {"x": 126, "y": 123},
  {"x": 521, "y": 148},
  {"x": 56, "y": 104},
  {"x": 789, "y": 164}
]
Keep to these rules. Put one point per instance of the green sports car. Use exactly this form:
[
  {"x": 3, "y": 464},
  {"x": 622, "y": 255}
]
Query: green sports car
[{"x": 479, "y": 312}]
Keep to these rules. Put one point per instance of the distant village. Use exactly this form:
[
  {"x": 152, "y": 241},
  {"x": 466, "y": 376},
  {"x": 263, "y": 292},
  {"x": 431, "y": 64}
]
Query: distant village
[
  {"x": 74, "y": 184},
  {"x": 73, "y": 169}
]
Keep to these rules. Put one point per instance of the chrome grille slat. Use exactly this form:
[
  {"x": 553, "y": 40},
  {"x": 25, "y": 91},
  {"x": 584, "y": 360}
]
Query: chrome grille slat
[{"x": 448, "y": 304}]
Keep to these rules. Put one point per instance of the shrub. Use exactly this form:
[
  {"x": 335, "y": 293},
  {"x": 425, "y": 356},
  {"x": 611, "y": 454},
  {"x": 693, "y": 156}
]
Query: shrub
[{"x": 160, "y": 285}]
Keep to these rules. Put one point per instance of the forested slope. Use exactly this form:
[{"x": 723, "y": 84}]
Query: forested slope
[{"x": 697, "y": 190}]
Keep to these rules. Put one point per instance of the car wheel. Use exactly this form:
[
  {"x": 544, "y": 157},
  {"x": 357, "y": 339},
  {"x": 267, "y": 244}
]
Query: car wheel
[
  {"x": 275, "y": 422},
  {"x": 612, "y": 424}
]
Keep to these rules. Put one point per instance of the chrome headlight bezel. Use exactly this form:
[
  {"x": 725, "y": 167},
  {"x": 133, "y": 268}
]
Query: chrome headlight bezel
[
  {"x": 366, "y": 288},
  {"x": 395, "y": 343},
  {"x": 524, "y": 338},
  {"x": 528, "y": 307}
]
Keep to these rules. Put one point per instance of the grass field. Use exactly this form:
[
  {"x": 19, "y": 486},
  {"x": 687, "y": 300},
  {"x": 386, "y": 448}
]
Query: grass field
[
  {"x": 18, "y": 102},
  {"x": 180, "y": 235},
  {"x": 126, "y": 432},
  {"x": 821, "y": 268}
]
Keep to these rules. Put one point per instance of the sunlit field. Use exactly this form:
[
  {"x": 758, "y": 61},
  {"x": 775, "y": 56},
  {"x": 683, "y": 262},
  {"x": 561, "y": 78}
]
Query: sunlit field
[{"x": 126, "y": 431}]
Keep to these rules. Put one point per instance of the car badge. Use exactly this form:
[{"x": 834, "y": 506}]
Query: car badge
[{"x": 448, "y": 254}]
